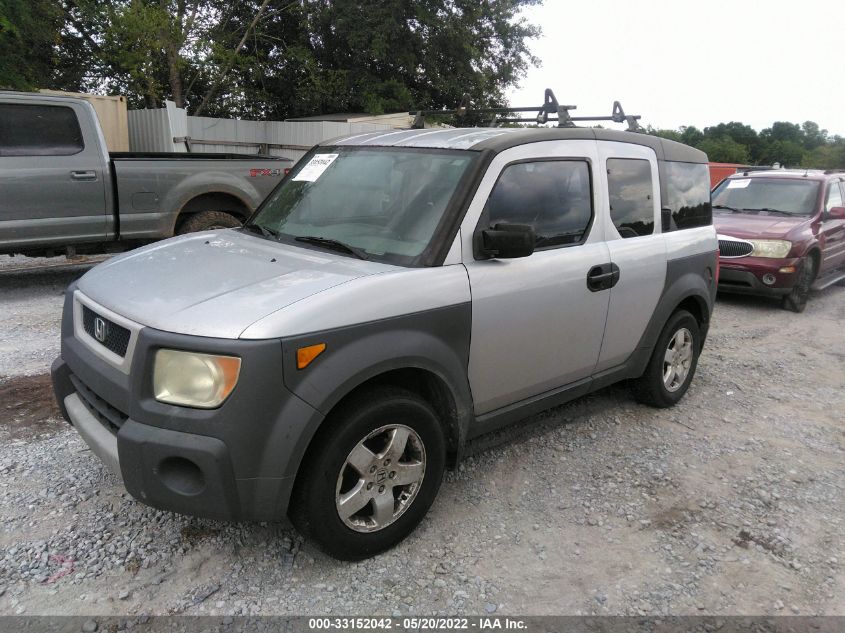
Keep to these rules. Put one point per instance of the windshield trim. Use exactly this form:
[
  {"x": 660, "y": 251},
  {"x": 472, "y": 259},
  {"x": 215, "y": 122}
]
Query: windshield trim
[{"x": 443, "y": 235}]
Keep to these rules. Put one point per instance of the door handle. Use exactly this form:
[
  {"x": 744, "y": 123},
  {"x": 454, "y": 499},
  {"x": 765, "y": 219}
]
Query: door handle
[
  {"x": 83, "y": 175},
  {"x": 602, "y": 277}
]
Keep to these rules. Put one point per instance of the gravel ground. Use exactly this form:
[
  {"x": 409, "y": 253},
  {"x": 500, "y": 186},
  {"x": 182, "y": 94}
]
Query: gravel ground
[{"x": 730, "y": 503}]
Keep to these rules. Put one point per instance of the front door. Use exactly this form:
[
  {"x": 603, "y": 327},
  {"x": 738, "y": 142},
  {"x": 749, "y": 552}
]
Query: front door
[
  {"x": 536, "y": 324},
  {"x": 833, "y": 230},
  {"x": 51, "y": 175}
]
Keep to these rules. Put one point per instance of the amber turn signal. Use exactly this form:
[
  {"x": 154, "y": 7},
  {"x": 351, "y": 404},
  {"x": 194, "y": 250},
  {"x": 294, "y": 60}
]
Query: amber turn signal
[{"x": 304, "y": 355}]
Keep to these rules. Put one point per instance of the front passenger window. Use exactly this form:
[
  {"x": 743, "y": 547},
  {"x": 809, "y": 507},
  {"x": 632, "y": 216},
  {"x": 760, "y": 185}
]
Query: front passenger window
[
  {"x": 553, "y": 196},
  {"x": 834, "y": 196}
]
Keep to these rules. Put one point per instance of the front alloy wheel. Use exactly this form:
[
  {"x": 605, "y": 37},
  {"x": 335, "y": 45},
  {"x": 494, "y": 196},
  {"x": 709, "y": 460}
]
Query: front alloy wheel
[
  {"x": 380, "y": 478},
  {"x": 370, "y": 474}
]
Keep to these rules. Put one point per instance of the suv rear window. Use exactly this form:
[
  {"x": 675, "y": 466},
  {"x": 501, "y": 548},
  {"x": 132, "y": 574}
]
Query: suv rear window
[
  {"x": 793, "y": 196},
  {"x": 631, "y": 204},
  {"x": 39, "y": 130},
  {"x": 687, "y": 194}
]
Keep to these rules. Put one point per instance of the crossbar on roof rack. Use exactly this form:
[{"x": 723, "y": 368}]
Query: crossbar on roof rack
[{"x": 560, "y": 114}]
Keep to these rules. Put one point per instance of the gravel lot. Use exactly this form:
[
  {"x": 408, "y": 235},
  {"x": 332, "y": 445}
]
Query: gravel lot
[{"x": 730, "y": 503}]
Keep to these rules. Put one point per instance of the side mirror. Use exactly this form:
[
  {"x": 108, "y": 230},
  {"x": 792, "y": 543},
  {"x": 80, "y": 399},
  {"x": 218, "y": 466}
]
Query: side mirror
[
  {"x": 507, "y": 240},
  {"x": 836, "y": 213}
]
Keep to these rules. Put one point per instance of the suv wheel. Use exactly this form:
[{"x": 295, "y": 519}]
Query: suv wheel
[
  {"x": 796, "y": 300},
  {"x": 673, "y": 361},
  {"x": 370, "y": 475}
]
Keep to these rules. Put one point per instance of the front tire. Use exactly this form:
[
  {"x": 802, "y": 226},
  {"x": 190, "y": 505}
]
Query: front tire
[
  {"x": 370, "y": 474},
  {"x": 673, "y": 362},
  {"x": 796, "y": 300}
]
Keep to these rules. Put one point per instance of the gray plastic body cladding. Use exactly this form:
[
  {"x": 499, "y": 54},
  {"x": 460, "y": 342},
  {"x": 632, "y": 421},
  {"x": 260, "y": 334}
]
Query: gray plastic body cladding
[
  {"x": 436, "y": 341},
  {"x": 248, "y": 444}
]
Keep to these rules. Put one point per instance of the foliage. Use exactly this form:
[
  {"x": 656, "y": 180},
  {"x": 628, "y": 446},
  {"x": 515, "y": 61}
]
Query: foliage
[
  {"x": 302, "y": 57},
  {"x": 790, "y": 144}
]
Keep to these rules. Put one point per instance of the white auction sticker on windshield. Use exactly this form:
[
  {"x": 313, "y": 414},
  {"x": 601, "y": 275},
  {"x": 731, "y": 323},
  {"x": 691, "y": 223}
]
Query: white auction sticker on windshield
[
  {"x": 315, "y": 167},
  {"x": 739, "y": 184}
]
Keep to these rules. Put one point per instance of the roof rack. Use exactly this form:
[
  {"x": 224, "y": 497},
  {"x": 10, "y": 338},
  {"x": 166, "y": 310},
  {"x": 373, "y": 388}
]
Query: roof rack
[
  {"x": 834, "y": 171},
  {"x": 550, "y": 107}
]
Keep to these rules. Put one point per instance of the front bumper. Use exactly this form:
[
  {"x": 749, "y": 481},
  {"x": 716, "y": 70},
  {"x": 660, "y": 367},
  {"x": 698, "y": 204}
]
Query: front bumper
[
  {"x": 236, "y": 462},
  {"x": 744, "y": 275}
]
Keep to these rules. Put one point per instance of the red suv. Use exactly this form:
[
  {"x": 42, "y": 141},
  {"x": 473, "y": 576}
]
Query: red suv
[{"x": 781, "y": 233}]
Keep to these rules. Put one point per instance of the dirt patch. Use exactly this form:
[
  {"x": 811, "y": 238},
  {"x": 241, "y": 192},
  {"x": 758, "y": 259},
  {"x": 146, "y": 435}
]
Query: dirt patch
[
  {"x": 193, "y": 534},
  {"x": 28, "y": 407}
]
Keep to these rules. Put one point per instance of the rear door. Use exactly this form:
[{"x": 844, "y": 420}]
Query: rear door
[
  {"x": 833, "y": 253},
  {"x": 536, "y": 325},
  {"x": 629, "y": 176},
  {"x": 51, "y": 174}
]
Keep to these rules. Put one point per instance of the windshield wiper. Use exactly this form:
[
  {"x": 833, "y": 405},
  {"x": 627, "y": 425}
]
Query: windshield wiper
[
  {"x": 336, "y": 245},
  {"x": 724, "y": 206},
  {"x": 770, "y": 210},
  {"x": 263, "y": 230}
]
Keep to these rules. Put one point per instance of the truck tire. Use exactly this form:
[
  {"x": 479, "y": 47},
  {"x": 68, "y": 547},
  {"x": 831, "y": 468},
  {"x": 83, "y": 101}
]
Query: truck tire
[
  {"x": 208, "y": 221},
  {"x": 673, "y": 361},
  {"x": 370, "y": 474},
  {"x": 796, "y": 300}
]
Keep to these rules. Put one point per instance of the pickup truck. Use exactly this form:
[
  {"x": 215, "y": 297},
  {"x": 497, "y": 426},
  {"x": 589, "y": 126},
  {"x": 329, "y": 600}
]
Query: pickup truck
[{"x": 64, "y": 193}]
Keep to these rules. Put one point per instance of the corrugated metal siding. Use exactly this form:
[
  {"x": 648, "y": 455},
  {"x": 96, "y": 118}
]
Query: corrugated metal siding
[{"x": 153, "y": 131}]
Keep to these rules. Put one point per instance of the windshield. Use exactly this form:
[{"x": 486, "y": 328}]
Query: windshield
[
  {"x": 773, "y": 195},
  {"x": 375, "y": 203}
]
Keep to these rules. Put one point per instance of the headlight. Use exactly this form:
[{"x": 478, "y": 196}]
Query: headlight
[
  {"x": 195, "y": 380},
  {"x": 770, "y": 248}
]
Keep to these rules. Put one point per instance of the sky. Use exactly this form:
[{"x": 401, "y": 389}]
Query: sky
[{"x": 678, "y": 62}]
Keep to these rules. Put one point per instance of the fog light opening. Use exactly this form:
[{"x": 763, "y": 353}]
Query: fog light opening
[
  {"x": 769, "y": 279},
  {"x": 182, "y": 476}
]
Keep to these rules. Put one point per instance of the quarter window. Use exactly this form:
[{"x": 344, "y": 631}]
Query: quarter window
[
  {"x": 631, "y": 201},
  {"x": 39, "y": 130},
  {"x": 554, "y": 197},
  {"x": 834, "y": 196},
  {"x": 688, "y": 194}
]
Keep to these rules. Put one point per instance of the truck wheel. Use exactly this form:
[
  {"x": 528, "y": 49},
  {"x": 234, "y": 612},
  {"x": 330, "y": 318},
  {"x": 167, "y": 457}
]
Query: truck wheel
[
  {"x": 208, "y": 221},
  {"x": 796, "y": 300},
  {"x": 673, "y": 361},
  {"x": 370, "y": 475}
]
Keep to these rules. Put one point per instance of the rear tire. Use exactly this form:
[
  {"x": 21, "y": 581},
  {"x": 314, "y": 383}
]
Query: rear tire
[
  {"x": 370, "y": 474},
  {"x": 208, "y": 221},
  {"x": 796, "y": 300},
  {"x": 673, "y": 362}
]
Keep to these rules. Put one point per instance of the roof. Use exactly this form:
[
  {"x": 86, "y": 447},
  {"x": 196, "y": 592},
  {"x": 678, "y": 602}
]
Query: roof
[
  {"x": 499, "y": 139},
  {"x": 809, "y": 174}
]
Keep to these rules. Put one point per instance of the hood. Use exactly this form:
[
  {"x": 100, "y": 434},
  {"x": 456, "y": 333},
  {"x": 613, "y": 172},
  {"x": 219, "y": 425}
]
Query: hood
[
  {"x": 216, "y": 283},
  {"x": 761, "y": 226}
]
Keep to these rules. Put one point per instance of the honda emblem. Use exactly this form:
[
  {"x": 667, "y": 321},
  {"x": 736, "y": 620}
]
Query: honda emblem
[{"x": 100, "y": 329}]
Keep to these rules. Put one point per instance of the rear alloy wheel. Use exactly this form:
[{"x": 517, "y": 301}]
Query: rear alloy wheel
[
  {"x": 370, "y": 474},
  {"x": 796, "y": 300},
  {"x": 672, "y": 365},
  {"x": 208, "y": 221}
]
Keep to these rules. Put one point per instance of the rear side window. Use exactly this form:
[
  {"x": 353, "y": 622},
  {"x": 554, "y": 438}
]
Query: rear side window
[
  {"x": 834, "y": 196},
  {"x": 554, "y": 197},
  {"x": 39, "y": 130},
  {"x": 688, "y": 195},
  {"x": 631, "y": 203}
]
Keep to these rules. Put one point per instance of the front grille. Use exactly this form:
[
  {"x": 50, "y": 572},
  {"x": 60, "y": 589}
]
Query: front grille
[
  {"x": 733, "y": 248},
  {"x": 108, "y": 416},
  {"x": 112, "y": 336}
]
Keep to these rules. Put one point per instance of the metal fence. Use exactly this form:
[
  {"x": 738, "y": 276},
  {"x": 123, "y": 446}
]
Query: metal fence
[{"x": 170, "y": 129}]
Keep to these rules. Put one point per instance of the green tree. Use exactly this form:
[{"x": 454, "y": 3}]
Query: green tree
[
  {"x": 29, "y": 31},
  {"x": 724, "y": 150}
]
